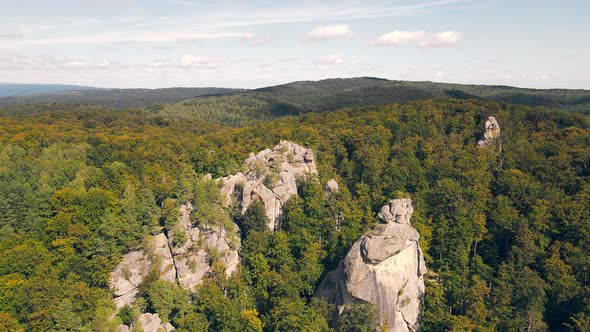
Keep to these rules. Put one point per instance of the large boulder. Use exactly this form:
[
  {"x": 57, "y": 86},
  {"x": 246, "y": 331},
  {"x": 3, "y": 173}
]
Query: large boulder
[
  {"x": 270, "y": 177},
  {"x": 384, "y": 267},
  {"x": 331, "y": 188},
  {"x": 491, "y": 132}
]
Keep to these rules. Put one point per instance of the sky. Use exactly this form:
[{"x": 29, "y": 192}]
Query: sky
[{"x": 249, "y": 44}]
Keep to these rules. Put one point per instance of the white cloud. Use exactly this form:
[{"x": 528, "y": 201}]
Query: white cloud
[
  {"x": 10, "y": 35},
  {"x": 543, "y": 77},
  {"x": 191, "y": 61},
  {"x": 103, "y": 63},
  {"x": 331, "y": 60},
  {"x": 74, "y": 64},
  {"x": 420, "y": 38},
  {"x": 142, "y": 38},
  {"x": 317, "y": 12},
  {"x": 15, "y": 62},
  {"x": 261, "y": 41},
  {"x": 329, "y": 32}
]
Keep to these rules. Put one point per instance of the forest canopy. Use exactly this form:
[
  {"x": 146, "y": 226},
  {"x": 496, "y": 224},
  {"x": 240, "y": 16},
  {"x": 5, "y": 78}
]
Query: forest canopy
[{"x": 506, "y": 235}]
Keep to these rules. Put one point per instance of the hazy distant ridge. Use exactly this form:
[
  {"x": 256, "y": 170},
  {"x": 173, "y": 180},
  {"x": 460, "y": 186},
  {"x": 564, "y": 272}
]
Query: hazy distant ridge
[{"x": 15, "y": 89}]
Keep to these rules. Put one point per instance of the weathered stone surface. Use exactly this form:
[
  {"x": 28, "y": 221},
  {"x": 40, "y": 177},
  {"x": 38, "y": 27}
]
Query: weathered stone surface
[
  {"x": 147, "y": 323},
  {"x": 130, "y": 273},
  {"x": 271, "y": 178},
  {"x": 191, "y": 255},
  {"x": 386, "y": 240},
  {"x": 385, "y": 267},
  {"x": 331, "y": 186},
  {"x": 183, "y": 256},
  {"x": 123, "y": 328},
  {"x": 491, "y": 132},
  {"x": 135, "y": 266},
  {"x": 397, "y": 210},
  {"x": 159, "y": 247}
]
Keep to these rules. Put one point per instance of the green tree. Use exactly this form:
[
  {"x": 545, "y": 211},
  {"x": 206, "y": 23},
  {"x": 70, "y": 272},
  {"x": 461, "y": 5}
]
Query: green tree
[
  {"x": 358, "y": 317},
  {"x": 65, "y": 318},
  {"x": 254, "y": 219}
]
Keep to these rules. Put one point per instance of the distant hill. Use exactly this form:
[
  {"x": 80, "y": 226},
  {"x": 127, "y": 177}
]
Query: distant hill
[
  {"x": 295, "y": 98},
  {"x": 116, "y": 98},
  {"x": 337, "y": 93},
  {"x": 14, "y": 89},
  {"x": 242, "y": 107}
]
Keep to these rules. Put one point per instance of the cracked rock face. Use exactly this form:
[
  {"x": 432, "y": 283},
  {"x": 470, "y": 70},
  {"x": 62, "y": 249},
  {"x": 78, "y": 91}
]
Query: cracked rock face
[
  {"x": 147, "y": 323},
  {"x": 271, "y": 178},
  {"x": 192, "y": 254},
  {"x": 136, "y": 265},
  {"x": 491, "y": 132},
  {"x": 384, "y": 267},
  {"x": 184, "y": 257}
]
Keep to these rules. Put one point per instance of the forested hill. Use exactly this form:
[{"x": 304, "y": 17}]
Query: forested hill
[
  {"x": 505, "y": 233},
  {"x": 116, "y": 98},
  {"x": 332, "y": 94},
  {"x": 327, "y": 95},
  {"x": 239, "y": 107}
]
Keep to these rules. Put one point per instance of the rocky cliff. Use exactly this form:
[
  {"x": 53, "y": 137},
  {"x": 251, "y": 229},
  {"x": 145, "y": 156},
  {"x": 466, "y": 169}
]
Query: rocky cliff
[
  {"x": 384, "y": 267},
  {"x": 491, "y": 132},
  {"x": 270, "y": 177},
  {"x": 183, "y": 256}
]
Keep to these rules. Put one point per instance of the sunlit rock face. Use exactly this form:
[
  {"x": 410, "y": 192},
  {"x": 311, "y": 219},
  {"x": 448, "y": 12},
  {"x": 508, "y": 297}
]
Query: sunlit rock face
[
  {"x": 192, "y": 248},
  {"x": 136, "y": 265},
  {"x": 270, "y": 177},
  {"x": 147, "y": 323},
  {"x": 184, "y": 256},
  {"x": 491, "y": 132},
  {"x": 384, "y": 267}
]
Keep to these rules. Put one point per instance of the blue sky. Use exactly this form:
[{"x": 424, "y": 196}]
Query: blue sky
[{"x": 164, "y": 43}]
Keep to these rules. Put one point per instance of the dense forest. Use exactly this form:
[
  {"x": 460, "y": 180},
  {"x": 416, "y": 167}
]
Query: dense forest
[{"x": 506, "y": 233}]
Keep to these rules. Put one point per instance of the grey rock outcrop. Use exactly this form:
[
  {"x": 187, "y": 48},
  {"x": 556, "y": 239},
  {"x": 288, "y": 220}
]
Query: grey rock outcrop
[
  {"x": 159, "y": 248},
  {"x": 128, "y": 276},
  {"x": 147, "y": 323},
  {"x": 271, "y": 178},
  {"x": 491, "y": 132},
  {"x": 184, "y": 257},
  {"x": 384, "y": 267},
  {"x": 192, "y": 248},
  {"x": 331, "y": 187},
  {"x": 136, "y": 265}
]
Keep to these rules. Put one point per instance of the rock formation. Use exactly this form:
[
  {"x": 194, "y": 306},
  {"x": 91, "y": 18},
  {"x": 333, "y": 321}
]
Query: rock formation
[
  {"x": 183, "y": 257},
  {"x": 136, "y": 265},
  {"x": 147, "y": 323},
  {"x": 192, "y": 247},
  {"x": 331, "y": 187},
  {"x": 491, "y": 132},
  {"x": 384, "y": 267},
  {"x": 270, "y": 177}
]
